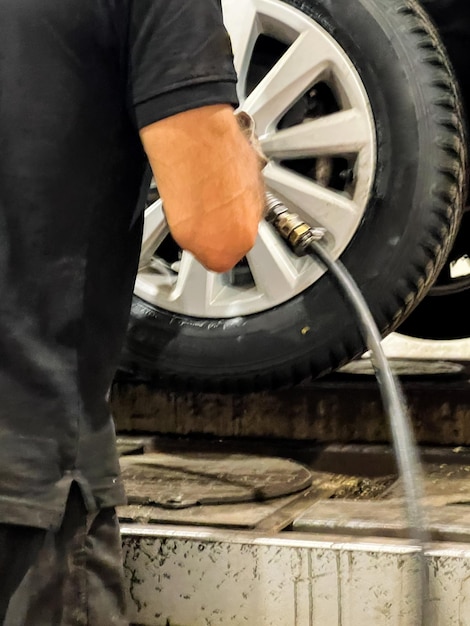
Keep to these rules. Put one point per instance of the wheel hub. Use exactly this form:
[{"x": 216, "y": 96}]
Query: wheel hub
[{"x": 315, "y": 124}]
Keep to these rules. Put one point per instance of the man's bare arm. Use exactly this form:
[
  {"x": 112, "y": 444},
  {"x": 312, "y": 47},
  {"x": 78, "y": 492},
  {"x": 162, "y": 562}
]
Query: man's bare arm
[{"x": 209, "y": 179}]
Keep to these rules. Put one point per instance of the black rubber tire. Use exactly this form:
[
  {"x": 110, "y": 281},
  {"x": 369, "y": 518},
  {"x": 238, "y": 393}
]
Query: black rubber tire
[
  {"x": 441, "y": 316},
  {"x": 397, "y": 251}
]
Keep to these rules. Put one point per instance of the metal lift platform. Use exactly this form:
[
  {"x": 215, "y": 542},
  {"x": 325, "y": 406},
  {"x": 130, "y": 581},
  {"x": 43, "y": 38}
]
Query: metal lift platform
[{"x": 286, "y": 509}]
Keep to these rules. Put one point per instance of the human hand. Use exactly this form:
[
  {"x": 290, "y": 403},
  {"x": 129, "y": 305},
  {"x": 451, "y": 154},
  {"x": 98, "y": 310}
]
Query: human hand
[{"x": 247, "y": 125}]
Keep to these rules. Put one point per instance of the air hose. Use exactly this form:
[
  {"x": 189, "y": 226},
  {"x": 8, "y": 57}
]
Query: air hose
[{"x": 304, "y": 239}]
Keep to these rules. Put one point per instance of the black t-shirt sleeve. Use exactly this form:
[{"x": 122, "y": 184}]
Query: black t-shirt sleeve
[{"x": 180, "y": 58}]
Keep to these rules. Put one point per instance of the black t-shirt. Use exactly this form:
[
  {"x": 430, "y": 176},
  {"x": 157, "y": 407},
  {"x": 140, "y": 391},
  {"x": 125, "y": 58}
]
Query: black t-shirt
[{"x": 78, "y": 78}]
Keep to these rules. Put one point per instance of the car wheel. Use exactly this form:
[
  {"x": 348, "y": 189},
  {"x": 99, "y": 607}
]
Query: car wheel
[
  {"x": 357, "y": 108},
  {"x": 443, "y": 314}
]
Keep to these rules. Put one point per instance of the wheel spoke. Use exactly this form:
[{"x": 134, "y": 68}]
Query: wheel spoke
[
  {"x": 297, "y": 70},
  {"x": 345, "y": 132},
  {"x": 314, "y": 203},
  {"x": 243, "y": 34},
  {"x": 155, "y": 231},
  {"x": 272, "y": 265},
  {"x": 195, "y": 287}
]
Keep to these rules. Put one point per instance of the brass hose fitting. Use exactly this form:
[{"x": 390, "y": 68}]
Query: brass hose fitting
[{"x": 290, "y": 226}]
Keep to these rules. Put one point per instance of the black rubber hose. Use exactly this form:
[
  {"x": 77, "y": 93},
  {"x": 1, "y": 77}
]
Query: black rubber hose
[
  {"x": 395, "y": 407},
  {"x": 392, "y": 396}
]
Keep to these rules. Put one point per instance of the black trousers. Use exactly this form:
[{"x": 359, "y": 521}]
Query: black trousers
[{"x": 73, "y": 577}]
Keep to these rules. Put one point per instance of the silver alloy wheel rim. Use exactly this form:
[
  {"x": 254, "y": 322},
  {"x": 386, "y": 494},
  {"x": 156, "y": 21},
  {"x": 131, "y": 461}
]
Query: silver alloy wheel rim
[{"x": 278, "y": 275}]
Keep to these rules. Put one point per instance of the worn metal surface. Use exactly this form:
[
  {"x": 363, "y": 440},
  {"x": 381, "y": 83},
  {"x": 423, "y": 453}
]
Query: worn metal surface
[
  {"x": 444, "y": 483},
  {"x": 379, "y": 519},
  {"x": 161, "y": 486},
  {"x": 341, "y": 409},
  {"x": 181, "y": 578},
  {"x": 406, "y": 367},
  {"x": 446, "y": 503},
  {"x": 337, "y": 566},
  {"x": 187, "y": 479},
  {"x": 208, "y": 577},
  {"x": 240, "y": 515},
  {"x": 273, "y": 515},
  {"x": 225, "y": 581}
]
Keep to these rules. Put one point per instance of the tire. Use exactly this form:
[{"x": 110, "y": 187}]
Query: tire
[
  {"x": 397, "y": 249},
  {"x": 443, "y": 314}
]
